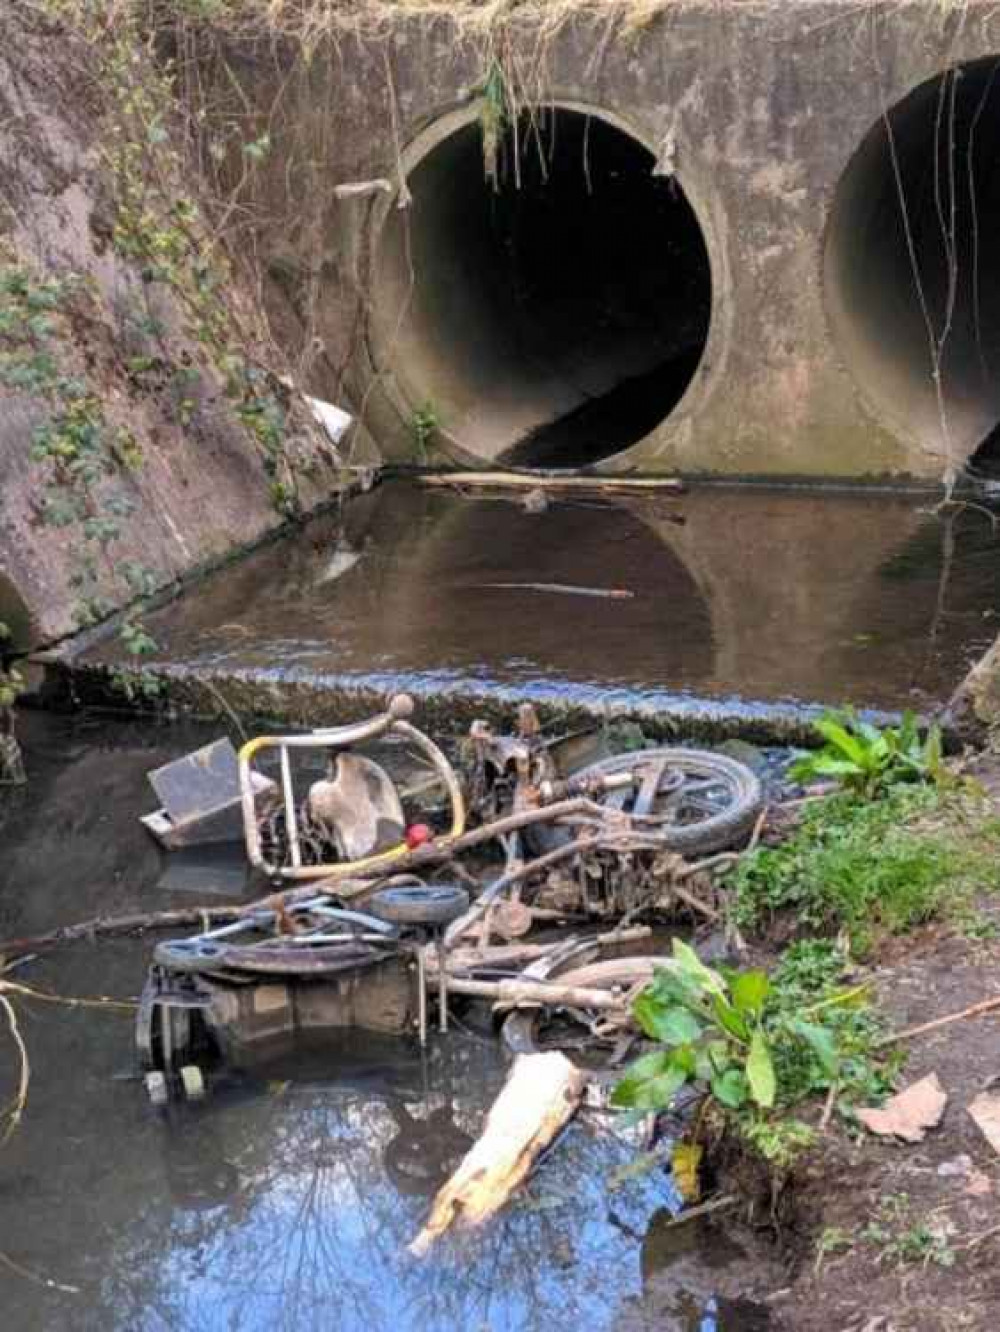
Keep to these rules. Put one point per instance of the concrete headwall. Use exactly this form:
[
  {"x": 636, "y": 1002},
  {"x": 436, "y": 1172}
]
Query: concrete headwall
[{"x": 851, "y": 230}]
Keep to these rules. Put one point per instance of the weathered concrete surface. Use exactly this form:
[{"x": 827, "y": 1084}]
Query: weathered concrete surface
[
  {"x": 759, "y": 109},
  {"x": 201, "y": 490}
]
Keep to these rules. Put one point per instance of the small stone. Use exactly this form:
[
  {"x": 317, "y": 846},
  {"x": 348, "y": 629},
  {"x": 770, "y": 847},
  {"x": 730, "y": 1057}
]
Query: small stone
[
  {"x": 985, "y": 1111},
  {"x": 961, "y": 1165}
]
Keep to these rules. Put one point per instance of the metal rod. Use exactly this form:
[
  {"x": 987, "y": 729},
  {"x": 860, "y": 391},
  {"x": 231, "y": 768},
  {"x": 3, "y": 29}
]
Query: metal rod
[
  {"x": 291, "y": 819},
  {"x": 421, "y": 997},
  {"x": 442, "y": 985},
  {"x": 536, "y": 992}
]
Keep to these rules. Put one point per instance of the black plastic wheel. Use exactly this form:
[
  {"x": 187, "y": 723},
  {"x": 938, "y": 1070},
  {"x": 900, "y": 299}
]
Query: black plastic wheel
[{"x": 421, "y": 904}]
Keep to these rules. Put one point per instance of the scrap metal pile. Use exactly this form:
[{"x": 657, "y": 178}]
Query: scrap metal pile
[{"x": 391, "y": 907}]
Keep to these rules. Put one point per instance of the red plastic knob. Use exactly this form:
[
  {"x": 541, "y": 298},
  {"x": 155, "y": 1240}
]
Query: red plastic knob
[{"x": 418, "y": 834}]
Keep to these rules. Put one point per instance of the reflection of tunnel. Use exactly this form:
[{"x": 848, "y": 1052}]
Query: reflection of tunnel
[
  {"x": 579, "y": 285},
  {"x": 901, "y": 282}
]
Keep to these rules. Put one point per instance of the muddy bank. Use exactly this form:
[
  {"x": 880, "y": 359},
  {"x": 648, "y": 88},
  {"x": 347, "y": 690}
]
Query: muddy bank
[{"x": 901, "y": 1233}]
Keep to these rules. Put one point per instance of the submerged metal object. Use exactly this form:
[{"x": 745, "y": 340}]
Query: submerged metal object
[
  {"x": 200, "y": 800},
  {"x": 291, "y": 863},
  {"x": 303, "y": 967}
]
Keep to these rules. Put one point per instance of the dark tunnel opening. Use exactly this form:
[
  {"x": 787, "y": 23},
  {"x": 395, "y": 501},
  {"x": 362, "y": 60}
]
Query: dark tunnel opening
[
  {"x": 912, "y": 265},
  {"x": 554, "y": 316}
]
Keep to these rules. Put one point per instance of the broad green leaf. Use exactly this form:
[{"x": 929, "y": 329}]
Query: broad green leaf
[
  {"x": 670, "y": 985},
  {"x": 760, "y": 1071},
  {"x": 749, "y": 990},
  {"x": 869, "y": 733},
  {"x": 824, "y": 765},
  {"x": 649, "y": 1093},
  {"x": 672, "y": 1026},
  {"x": 711, "y": 1059},
  {"x": 730, "y": 1088},
  {"x": 840, "y": 738},
  {"x": 820, "y": 1041},
  {"x": 729, "y": 1019},
  {"x": 684, "y": 1163},
  {"x": 691, "y": 965}
]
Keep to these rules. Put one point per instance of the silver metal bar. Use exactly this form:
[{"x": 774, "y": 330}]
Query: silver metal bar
[
  {"x": 291, "y": 818},
  {"x": 442, "y": 985},
  {"x": 421, "y": 997}
]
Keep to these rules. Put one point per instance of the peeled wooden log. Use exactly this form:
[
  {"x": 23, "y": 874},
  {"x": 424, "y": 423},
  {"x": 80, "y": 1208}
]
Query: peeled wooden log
[
  {"x": 557, "y": 483},
  {"x": 539, "y": 1097}
]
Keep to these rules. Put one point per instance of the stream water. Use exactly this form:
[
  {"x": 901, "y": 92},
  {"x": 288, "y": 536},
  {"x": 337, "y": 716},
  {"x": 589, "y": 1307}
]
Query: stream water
[
  {"x": 286, "y": 1200},
  {"x": 739, "y": 596}
]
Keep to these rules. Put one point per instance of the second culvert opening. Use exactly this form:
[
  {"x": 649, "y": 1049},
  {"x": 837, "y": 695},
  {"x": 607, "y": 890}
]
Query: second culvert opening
[
  {"x": 912, "y": 267},
  {"x": 555, "y": 316}
]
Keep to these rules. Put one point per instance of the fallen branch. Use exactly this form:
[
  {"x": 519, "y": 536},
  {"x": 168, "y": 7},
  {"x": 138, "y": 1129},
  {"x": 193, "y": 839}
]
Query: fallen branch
[
  {"x": 36, "y": 1277},
  {"x": 24, "y": 1073},
  {"x": 540, "y": 1096},
  {"x": 976, "y": 1010},
  {"x": 703, "y": 1209},
  {"x": 110, "y": 926},
  {"x": 609, "y": 485}
]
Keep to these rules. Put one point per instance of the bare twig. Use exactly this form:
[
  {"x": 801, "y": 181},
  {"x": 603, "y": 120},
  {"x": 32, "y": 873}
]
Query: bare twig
[
  {"x": 36, "y": 1277},
  {"x": 110, "y": 926},
  {"x": 703, "y": 1209},
  {"x": 975, "y": 1010},
  {"x": 24, "y": 1074},
  {"x": 830, "y": 1102}
]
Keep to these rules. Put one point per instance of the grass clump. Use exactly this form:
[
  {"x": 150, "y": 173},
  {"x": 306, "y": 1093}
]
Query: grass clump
[{"x": 872, "y": 867}]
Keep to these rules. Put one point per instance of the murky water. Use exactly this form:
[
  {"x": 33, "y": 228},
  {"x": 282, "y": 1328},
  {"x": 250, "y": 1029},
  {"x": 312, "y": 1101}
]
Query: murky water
[
  {"x": 720, "y": 594},
  {"x": 286, "y": 1200}
]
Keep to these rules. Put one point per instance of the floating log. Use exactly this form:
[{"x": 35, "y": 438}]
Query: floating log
[
  {"x": 556, "y": 484},
  {"x": 539, "y": 1097}
]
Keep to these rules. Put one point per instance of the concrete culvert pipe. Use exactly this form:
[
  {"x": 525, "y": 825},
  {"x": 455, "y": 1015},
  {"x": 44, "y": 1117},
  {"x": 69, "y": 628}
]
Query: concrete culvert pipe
[
  {"x": 912, "y": 263},
  {"x": 553, "y": 317}
]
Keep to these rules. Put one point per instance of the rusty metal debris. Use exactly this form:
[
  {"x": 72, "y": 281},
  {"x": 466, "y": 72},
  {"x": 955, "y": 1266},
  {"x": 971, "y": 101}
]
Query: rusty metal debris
[
  {"x": 594, "y": 843},
  {"x": 200, "y": 799}
]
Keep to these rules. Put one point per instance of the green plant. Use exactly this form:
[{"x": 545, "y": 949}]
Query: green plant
[
  {"x": 868, "y": 760},
  {"x": 903, "y": 1240},
  {"x": 868, "y": 867},
  {"x": 493, "y": 119},
  {"x": 750, "y": 1046},
  {"x": 424, "y": 425},
  {"x": 11, "y": 687},
  {"x": 136, "y": 640},
  {"x": 832, "y": 1240},
  {"x": 137, "y": 685}
]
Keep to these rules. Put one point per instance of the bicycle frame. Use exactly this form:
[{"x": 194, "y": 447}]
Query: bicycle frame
[{"x": 392, "y": 722}]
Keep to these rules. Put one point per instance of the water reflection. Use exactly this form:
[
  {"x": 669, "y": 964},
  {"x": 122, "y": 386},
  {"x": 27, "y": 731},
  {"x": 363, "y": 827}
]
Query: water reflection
[{"x": 734, "y": 593}]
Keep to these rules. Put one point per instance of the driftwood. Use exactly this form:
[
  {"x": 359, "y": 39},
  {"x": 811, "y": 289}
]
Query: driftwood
[
  {"x": 539, "y": 1097},
  {"x": 109, "y": 926},
  {"x": 541, "y": 480}
]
